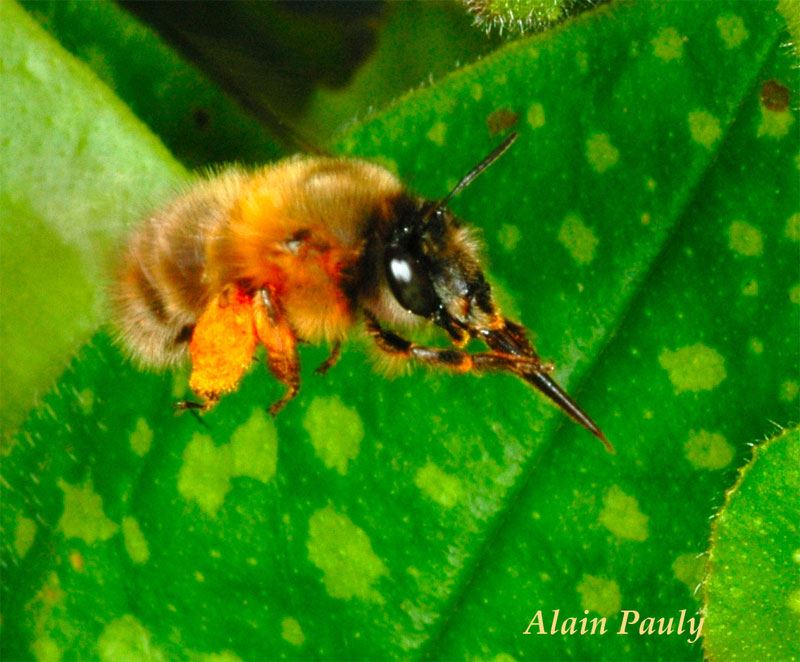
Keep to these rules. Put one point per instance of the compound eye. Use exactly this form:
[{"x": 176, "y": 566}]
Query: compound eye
[{"x": 410, "y": 283}]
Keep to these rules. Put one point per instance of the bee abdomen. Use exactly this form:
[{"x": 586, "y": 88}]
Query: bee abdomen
[{"x": 162, "y": 287}]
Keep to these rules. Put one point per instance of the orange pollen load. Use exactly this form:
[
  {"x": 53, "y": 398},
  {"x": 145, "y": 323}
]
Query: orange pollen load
[{"x": 222, "y": 345}]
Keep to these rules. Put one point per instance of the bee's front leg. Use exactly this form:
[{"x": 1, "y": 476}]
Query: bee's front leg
[{"x": 451, "y": 359}]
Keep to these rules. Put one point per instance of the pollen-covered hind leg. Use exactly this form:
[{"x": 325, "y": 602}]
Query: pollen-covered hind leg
[
  {"x": 221, "y": 347},
  {"x": 280, "y": 341}
]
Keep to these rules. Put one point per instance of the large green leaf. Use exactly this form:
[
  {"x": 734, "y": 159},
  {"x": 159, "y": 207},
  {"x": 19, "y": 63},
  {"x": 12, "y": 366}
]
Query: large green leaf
[
  {"x": 755, "y": 551},
  {"x": 645, "y": 226}
]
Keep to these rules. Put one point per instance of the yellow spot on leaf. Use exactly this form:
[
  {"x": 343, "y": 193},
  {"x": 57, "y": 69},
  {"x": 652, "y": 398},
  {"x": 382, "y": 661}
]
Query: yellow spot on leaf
[
  {"x": 774, "y": 123},
  {"x": 756, "y": 346},
  {"x": 44, "y": 649},
  {"x": 732, "y": 30},
  {"x": 509, "y": 236},
  {"x": 292, "y": 632},
  {"x": 41, "y": 608},
  {"x": 254, "y": 445},
  {"x": 336, "y": 431},
  {"x": 689, "y": 569},
  {"x": 793, "y": 601},
  {"x": 135, "y": 542},
  {"x": 708, "y": 450},
  {"x": 793, "y": 227},
  {"x": 599, "y": 595},
  {"x": 204, "y": 476},
  {"x": 704, "y": 128},
  {"x": 578, "y": 238},
  {"x": 207, "y": 470},
  {"x": 24, "y": 535},
  {"x": 668, "y": 44},
  {"x": 621, "y": 515},
  {"x": 83, "y": 515},
  {"x": 125, "y": 639},
  {"x": 86, "y": 401},
  {"x": 141, "y": 438},
  {"x": 443, "y": 488},
  {"x": 222, "y": 656},
  {"x": 536, "y": 115},
  {"x": 343, "y": 551},
  {"x": 789, "y": 390},
  {"x": 437, "y": 133},
  {"x": 476, "y": 90},
  {"x": 76, "y": 560},
  {"x": 794, "y": 293},
  {"x": 693, "y": 368},
  {"x": 750, "y": 288},
  {"x": 745, "y": 239},
  {"x": 600, "y": 153}
]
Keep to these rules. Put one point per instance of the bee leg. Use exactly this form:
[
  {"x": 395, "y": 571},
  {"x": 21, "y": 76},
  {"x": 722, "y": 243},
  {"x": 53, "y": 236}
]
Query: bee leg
[
  {"x": 194, "y": 408},
  {"x": 188, "y": 405},
  {"x": 332, "y": 360},
  {"x": 278, "y": 338},
  {"x": 222, "y": 344},
  {"x": 452, "y": 359},
  {"x": 529, "y": 368}
]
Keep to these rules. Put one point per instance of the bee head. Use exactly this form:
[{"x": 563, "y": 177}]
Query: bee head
[
  {"x": 431, "y": 262},
  {"x": 432, "y": 268}
]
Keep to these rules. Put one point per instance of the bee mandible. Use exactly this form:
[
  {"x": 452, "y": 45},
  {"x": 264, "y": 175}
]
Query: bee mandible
[{"x": 303, "y": 250}]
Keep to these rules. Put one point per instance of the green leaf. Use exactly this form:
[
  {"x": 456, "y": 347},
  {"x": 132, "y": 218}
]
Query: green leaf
[
  {"x": 645, "y": 218},
  {"x": 78, "y": 169},
  {"x": 752, "y": 593}
]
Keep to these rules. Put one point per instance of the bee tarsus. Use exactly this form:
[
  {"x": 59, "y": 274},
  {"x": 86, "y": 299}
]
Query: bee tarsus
[{"x": 332, "y": 360}]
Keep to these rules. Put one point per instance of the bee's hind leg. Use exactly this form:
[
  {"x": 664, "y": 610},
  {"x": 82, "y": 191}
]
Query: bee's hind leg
[{"x": 280, "y": 341}]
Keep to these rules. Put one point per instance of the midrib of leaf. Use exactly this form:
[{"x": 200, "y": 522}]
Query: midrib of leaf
[{"x": 637, "y": 293}]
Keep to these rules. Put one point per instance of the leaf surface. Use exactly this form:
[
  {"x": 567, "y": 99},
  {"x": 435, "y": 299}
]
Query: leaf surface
[
  {"x": 646, "y": 217},
  {"x": 755, "y": 551}
]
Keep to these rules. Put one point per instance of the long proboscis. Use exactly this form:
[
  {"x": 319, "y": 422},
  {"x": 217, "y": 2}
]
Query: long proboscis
[
  {"x": 511, "y": 339},
  {"x": 547, "y": 385}
]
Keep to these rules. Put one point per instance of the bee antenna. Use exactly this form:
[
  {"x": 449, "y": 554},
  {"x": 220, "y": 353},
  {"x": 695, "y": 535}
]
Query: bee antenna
[{"x": 467, "y": 179}]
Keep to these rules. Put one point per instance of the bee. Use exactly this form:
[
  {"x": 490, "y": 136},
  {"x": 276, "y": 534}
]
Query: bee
[{"x": 304, "y": 250}]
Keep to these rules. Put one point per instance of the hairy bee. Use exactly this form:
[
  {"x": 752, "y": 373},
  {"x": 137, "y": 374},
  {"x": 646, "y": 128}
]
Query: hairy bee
[{"x": 304, "y": 250}]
